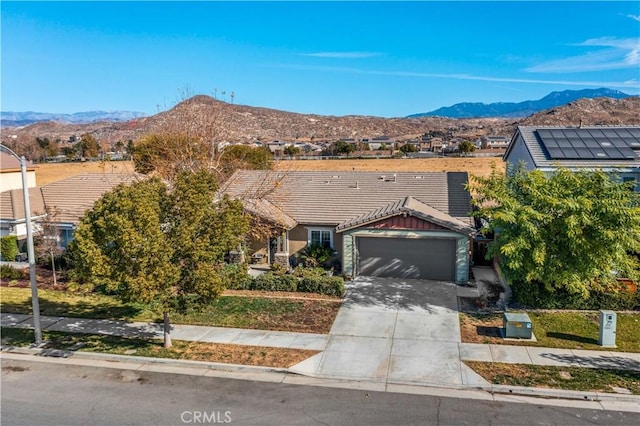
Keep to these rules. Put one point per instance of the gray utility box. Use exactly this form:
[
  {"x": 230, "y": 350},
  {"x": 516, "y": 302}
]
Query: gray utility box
[
  {"x": 516, "y": 326},
  {"x": 607, "y": 336}
]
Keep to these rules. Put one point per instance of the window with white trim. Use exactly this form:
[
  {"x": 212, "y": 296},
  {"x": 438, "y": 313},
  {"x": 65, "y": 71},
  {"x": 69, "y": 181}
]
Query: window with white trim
[{"x": 320, "y": 236}]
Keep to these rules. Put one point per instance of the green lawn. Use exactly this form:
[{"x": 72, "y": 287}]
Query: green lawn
[
  {"x": 309, "y": 315},
  {"x": 567, "y": 330},
  {"x": 557, "y": 330}
]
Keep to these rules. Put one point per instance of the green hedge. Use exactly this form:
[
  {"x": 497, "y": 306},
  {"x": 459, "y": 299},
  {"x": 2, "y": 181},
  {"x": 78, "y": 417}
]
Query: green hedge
[
  {"x": 9, "y": 273},
  {"x": 535, "y": 295},
  {"x": 331, "y": 286},
  {"x": 307, "y": 280},
  {"x": 275, "y": 282},
  {"x": 9, "y": 248}
]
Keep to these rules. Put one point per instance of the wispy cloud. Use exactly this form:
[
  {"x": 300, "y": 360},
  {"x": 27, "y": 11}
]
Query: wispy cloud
[
  {"x": 629, "y": 84},
  {"x": 343, "y": 55},
  {"x": 634, "y": 17},
  {"x": 615, "y": 53}
]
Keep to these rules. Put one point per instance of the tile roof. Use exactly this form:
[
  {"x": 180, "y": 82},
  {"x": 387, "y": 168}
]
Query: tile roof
[
  {"x": 412, "y": 207},
  {"x": 266, "y": 209},
  {"x": 70, "y": 198},
  {"x": 542, "y": 159},
  {"x": 12, "y": 204},
  {"x": 331, "y": 198},
  {"x": 9, "y": 163}
]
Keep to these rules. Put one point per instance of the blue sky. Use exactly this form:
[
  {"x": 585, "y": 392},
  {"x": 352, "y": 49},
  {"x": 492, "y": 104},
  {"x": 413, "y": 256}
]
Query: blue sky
[{"x": 331, "y": 58}]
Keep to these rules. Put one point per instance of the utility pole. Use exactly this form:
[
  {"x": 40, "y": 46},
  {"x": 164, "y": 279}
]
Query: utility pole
[{"x": 35, "y": 304}]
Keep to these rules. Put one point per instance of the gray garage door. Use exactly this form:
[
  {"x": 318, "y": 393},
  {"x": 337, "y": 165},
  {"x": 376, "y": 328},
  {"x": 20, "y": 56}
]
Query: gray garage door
[{"x": 427, "y": 258}]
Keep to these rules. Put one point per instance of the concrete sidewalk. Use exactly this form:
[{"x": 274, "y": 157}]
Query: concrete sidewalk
[
  {"x": 533, "y": 355},
  {"x": 193, "y": 333}
]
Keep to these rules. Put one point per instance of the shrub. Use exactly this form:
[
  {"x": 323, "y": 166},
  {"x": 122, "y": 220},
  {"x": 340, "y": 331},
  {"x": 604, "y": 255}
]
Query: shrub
[
  {"x": 304, "y": 272},
  {"x": 315, "y": 255},
  {"x": 8, "y": 272},
  {"x": 235, "y": 277},
  {"x": 275, "y": 282},
  {"x": 536, "y": 295},
  {"x": 331, "y": 286},
  {"x": 9, "y": 248}
]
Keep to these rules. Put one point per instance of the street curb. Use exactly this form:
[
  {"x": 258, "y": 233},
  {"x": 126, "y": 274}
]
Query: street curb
[
  {"x": 100, "y": 356},
  {"x": 561, "y": 393},
  {"x": 558, "y": 394}
]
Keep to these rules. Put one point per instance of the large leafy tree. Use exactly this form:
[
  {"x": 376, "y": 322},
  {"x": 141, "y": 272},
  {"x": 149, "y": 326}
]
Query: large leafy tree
[
  {"x": 168, "y": 154},
  {"x": 149, "y": 243},
  {"x": 577, "y": 231},
  {"x": 88, "y": 146}
]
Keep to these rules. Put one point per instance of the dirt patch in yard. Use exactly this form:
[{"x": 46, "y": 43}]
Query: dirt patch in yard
[
  {"x": 281, "y": 295},
  {"x": 245, "y": 355},
  {"x": 314, "y": 316},
  {"x": 550, "y": 377},
  {"x": 44, "y": 279},
  {"x": 481, "y": 328}
]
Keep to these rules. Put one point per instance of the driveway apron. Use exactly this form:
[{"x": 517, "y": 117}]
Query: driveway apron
[{"x": 397, "y": 331}]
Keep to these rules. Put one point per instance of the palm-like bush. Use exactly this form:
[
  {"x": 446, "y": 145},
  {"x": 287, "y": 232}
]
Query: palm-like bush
[{"x": 315, "y": 255}]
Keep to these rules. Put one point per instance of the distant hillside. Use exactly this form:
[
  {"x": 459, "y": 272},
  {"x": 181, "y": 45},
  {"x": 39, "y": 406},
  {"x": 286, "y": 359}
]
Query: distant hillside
[
  {"x": 14, "y": 119},
  {"x": 220, "y": 121},
  {"x": 589, "y": 112},
  {"x": 520, "y": 109}
]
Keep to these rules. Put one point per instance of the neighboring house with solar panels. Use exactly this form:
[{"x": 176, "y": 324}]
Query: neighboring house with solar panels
[{"x": 613, "y": 149}]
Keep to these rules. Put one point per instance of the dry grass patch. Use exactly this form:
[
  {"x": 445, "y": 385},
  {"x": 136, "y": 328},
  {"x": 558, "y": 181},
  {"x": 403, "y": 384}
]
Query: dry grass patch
[
  {"x": 246, "y": 355},
  {"x": 480, "y": 166},
  {"x": 477, "y": 328},
  {"x": 569, "y": 378},
  {"x": 193, "y": 351},
  {"x": 53, "y": 172}
]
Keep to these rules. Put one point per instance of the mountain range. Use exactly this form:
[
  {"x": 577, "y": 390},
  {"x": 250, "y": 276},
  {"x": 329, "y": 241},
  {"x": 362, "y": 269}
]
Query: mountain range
[
  {"x": 519, "y": 109},
  {"x": 461, "y": 110},
  {"x": 217, "y": 121},
  {"x": 14, "y": 119}
]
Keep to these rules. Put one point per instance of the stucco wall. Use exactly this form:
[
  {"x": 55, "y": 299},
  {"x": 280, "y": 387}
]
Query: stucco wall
[
  {"x": 297, "y": 239},
  {"x": 13, "y": 180}
]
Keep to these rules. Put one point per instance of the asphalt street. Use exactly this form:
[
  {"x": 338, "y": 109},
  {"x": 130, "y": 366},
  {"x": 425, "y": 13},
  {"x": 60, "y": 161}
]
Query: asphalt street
[{"x": 36, "y": 393}]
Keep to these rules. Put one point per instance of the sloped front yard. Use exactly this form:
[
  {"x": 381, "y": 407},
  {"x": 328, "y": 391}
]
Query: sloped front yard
[
  {"x": 193, "y": 351},
  {"x": 292, "y": 312}
]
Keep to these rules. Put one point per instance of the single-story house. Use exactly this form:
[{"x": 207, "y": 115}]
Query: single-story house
[
  {"x": 495, "y": 142},
  {"x": 409, "y": 225},
  {"x": 64, "y": 201},
  {"x": 613, "y": 149},
  {"x": 11, "y": 173}
]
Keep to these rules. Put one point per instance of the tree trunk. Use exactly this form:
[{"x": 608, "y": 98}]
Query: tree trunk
[
  {"x": 167, "y": 330},
  {"x": 53, "y": 267}
]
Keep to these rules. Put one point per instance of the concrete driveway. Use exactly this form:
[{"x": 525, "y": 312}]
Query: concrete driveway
[{"x": 394, "y": 331}]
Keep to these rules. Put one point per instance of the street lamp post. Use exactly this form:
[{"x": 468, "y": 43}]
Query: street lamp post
[{"x": 35, "y": 304}]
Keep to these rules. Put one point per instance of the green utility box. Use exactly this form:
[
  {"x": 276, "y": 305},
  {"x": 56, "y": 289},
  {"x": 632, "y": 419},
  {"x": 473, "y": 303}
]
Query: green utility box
[{"x": 517, "y": 326}]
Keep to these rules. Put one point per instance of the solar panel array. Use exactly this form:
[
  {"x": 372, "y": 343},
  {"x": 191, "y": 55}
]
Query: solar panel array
[{"x": 591, "y": 144}]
